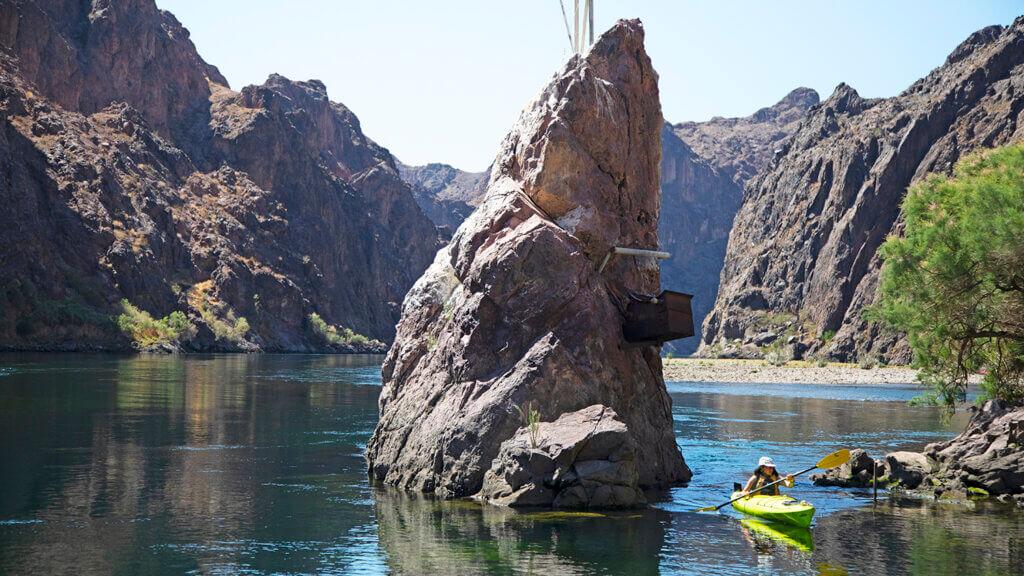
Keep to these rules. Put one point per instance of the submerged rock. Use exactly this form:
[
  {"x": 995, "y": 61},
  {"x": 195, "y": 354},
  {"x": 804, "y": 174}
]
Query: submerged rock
[
  {"x": 513, "y": 310},
  {"x": 585, "y": 459}
]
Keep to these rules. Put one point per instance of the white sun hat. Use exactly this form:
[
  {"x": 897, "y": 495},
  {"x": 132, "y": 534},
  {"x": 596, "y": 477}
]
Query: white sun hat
[{"x": 766, "y": 461}]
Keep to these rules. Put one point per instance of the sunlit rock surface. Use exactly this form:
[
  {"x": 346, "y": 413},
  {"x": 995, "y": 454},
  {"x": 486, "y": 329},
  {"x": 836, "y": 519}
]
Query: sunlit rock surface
[{"x": 513, "y": 311}]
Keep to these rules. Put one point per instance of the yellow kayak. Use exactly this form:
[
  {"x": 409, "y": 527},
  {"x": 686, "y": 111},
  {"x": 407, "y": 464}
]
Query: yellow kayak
[{"x": 776, "y": 508}]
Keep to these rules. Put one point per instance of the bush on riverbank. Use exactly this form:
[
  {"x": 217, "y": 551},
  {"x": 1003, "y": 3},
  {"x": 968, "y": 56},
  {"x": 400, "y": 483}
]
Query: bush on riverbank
[
  {"x": 146, "y": 331},
  {"x": 331, "y": 334},
  {"x": 955, "y": 281}
]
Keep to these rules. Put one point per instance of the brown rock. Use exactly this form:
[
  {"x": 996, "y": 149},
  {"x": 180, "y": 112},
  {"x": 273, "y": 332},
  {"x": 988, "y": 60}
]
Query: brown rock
[
  {"x": 805, "y": 240},
  {"x": 265, "y": 205},
  {"x": 513, "y": 311}
]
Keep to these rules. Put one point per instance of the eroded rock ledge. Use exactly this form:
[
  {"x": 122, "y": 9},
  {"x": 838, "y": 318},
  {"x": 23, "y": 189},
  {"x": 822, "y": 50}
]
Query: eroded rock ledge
[{"x": 513, "y": 311}]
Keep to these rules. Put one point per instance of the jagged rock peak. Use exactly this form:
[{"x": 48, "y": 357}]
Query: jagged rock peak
[
  {"x": 513, "y": 311},
  {"x": 586, "y": 143}
]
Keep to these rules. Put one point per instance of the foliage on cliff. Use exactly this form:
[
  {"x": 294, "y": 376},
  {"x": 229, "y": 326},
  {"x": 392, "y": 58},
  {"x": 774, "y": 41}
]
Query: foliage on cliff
[{"x": 955, "y": 281}]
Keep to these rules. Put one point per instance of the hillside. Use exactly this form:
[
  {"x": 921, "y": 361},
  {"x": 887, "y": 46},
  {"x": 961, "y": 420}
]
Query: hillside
[
  {"x": 130, "y": 170},
  {"x": 802, "y": 258}
]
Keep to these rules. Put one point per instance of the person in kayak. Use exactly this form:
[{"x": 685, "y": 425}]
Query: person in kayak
[{"x": 766, "y": 474}]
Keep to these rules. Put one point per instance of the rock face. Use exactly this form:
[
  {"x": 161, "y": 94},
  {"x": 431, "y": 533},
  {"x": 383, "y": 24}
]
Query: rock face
[
  {"x": 803, "y": 249},
  {"x": 131, "y": 171},
  {"x": 988, "y": 455},
  {"x": 704, "y": 166},
  {"x": 446, "y": 195},
  {"x": 513, "y": 311},
  {"x": 585, "y": 459},
  {"x": 740, "y": 147}
]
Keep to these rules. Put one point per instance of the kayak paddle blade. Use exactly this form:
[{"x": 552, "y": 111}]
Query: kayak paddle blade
[{"x": 834, "y": 459}]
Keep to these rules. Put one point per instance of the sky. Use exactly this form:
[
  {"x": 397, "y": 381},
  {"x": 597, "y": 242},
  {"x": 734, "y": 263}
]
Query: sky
[{"x": 444, "y": 80}]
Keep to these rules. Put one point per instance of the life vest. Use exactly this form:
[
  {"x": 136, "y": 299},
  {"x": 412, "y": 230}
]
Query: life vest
[{"x": 763, "y": 479}]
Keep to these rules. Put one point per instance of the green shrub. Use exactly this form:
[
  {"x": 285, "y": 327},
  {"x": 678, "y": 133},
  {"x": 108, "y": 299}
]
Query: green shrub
[
  {"x": 531, "y": 418},
  {"x": 827, "y": 336},
  {"x": 778, "y": 354},
  {"x": 867, "y": 362},
  {"x": 332, "y": 334},
  {"x": 146, "y": 331},
  {"x": 955, "y": 281}
]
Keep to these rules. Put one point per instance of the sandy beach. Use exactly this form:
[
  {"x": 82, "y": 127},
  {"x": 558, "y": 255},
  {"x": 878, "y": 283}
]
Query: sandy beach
[{"x": 795, "y": 372}]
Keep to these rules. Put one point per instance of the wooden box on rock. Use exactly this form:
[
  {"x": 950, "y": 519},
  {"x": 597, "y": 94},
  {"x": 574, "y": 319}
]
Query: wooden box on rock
[{"x": 667, "y": 317}]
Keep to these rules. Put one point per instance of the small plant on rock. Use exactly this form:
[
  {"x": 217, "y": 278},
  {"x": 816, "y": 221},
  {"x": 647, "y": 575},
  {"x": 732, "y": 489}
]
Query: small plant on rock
[
  {"x": 531, "y": 418},
  {"x": 867, "y": 362},
  {"x": 778, "y": 354}
]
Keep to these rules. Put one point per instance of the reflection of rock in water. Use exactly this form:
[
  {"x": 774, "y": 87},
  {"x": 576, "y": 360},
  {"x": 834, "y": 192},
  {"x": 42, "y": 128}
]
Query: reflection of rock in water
[
  {"x": 910, "y": 537},
  {"x": 424, "y": 535}
]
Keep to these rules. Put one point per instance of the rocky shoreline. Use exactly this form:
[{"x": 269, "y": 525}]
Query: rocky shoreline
[
  {"x": 985, "y": 460},
  {"x": 793, "y": 372}
]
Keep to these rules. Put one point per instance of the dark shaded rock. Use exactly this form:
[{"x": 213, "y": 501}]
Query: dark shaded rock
[
  {"x": 513, "y": 310},
  {"x": 857, "y": 472},
  {"x": 585, "y": 459},
  {"x": 808, "y": 232}
]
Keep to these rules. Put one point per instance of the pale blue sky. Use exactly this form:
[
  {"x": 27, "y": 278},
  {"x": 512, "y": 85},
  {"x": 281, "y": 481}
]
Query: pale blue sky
[{"x": 443, "y": 81}]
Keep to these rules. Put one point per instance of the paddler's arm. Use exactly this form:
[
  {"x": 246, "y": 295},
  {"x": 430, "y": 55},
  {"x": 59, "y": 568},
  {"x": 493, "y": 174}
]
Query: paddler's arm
[
  {"x": 750, "y": 484},
  {"x": 789, "y": 481}
]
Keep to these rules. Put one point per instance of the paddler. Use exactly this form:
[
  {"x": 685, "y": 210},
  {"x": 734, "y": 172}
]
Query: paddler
[{"x": 766, "y": 474}]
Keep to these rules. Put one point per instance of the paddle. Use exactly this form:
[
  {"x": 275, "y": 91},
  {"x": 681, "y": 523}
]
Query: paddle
[{"x": 831, "y": 461}]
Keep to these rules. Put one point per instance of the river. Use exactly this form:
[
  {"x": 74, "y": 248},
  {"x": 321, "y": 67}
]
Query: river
[{"x": 252, "y": 464}]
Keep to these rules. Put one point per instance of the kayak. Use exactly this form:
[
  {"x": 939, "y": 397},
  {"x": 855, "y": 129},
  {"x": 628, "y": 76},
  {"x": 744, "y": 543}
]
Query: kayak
[{"x": 776, "y": 508}]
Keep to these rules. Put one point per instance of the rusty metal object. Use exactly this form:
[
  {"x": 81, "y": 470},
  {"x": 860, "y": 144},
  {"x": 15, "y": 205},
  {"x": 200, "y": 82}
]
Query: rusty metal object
[{"x": 654, "y": 322}]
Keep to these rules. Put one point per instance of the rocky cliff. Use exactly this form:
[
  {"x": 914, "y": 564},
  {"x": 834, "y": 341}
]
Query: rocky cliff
[
  {"x": 446, "y": 194},
  {"x": 130, "y": 170},
  {"x": 802, "y": 257},
  {"x": 513, "y": 312},
  {"x": 704, "y": 166}
]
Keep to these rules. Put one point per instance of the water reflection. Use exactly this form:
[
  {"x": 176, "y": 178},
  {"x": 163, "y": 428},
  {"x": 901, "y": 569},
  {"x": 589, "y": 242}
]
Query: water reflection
[
  {"x": 253, "y": 464},
  {"x": 421, "y": 535}
]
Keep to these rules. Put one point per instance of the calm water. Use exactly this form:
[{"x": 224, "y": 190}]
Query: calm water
[{"x": 252, "y": 465}]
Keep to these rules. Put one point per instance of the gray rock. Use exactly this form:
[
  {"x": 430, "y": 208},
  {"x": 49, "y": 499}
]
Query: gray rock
[
  {"x": 907, "y": 468},
  {"x": 585, "y": 459}
]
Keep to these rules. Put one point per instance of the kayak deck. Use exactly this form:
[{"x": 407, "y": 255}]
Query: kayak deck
[{"x": 776, "y": 508}]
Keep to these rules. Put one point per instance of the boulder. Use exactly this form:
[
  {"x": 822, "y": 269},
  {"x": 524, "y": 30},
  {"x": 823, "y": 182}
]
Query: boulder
[
  {"x": 584, "y": 459},
  {"x": 988, "y": 456},
  {"x": 513, "y": 312},
  {"x": 907, "y": 468},
  {"x": 857, "y": 472}
]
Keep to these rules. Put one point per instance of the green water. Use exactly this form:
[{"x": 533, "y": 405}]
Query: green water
[{"x": 252, "y": 465}]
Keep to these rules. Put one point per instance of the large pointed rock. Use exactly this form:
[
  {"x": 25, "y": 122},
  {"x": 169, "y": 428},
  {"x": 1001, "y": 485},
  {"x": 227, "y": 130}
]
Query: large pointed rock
[{"x": 513, "y": 310}]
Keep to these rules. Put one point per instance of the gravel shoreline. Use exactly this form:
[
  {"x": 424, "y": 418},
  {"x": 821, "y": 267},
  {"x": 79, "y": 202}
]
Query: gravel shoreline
[{"x": 793, "y": 372}]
